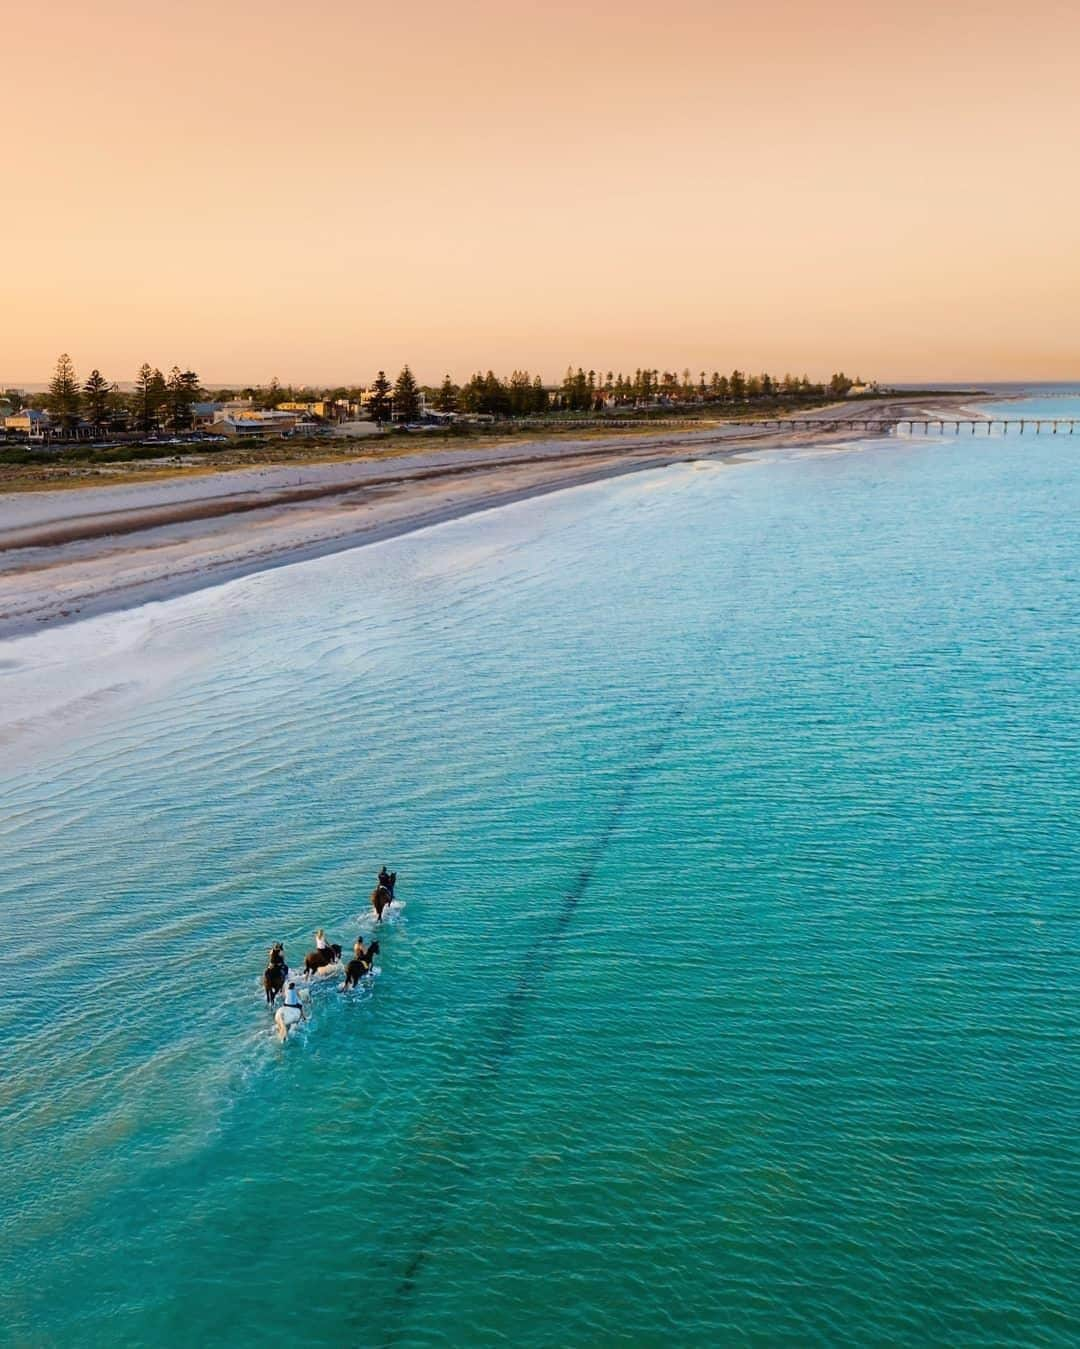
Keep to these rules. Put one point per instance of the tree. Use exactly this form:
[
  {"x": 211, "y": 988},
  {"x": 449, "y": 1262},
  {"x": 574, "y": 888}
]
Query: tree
[
  {"x": 140, "y": 399},
  {"x": 158, "y": 392},
  {"x": 98, "y": 399},
  {"x": 379, "y": 402},
  {"x": 181, "y": 394},
  {"x": 63, "y": 398},
  {"x": 406, "y": 396},
  {"x": 496, "y": 397},
  {"x": 446, "y": 400},
  {"x": 521, "y": 394}
]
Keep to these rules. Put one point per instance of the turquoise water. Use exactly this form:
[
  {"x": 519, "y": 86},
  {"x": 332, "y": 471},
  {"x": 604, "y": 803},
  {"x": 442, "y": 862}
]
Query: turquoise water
[{"x": 734, "y": 995}]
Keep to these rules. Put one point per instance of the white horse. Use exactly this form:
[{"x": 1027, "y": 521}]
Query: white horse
[{"x": 285, "y": 1018}]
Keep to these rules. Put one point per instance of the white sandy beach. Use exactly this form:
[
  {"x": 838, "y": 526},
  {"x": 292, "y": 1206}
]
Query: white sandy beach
[{"x": 67, "y": 554}]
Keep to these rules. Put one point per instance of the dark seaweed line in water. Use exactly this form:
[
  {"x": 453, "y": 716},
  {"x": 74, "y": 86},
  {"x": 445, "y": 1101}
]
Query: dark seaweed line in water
[{"x": 513, "y": 1006}]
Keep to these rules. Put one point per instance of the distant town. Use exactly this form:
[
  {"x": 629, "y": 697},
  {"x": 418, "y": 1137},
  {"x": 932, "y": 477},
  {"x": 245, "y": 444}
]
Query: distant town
[{"x": 177, "y": 405}]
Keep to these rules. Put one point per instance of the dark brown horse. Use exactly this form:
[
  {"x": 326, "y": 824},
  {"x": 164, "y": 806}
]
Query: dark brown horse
[
  {"x": 381, "y": 899},
  {"x": 318, "y": 960},
  {"x": 356, "y": 969},
  {"x": 274, "y": 977}
]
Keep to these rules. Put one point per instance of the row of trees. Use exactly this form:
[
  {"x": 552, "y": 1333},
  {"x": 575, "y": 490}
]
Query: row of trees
[
  {"x": 167, "y": 400},
  {"x": 156, "y": 400},
  {"x": 588, "y": 391},
  {"x": 583, "y": 390}
]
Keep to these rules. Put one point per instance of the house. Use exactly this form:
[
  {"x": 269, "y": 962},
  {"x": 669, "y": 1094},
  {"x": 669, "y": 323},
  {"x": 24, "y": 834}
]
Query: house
[
  {"x": 203, "y": 414},
  {"x": 28, "y": 422},
  {"x": 252, "y": 423}
]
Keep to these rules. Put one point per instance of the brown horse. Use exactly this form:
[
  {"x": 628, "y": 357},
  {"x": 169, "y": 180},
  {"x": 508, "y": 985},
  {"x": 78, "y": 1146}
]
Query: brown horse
[
  {"x": 274, "y": 977},
  {"x": 356, "y": 969},
  {"x": 319, "y": 960},
  {"x": 381, "y": 899}
]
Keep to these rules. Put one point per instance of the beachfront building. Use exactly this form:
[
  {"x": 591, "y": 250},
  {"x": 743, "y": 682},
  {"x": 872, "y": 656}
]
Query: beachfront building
[
  {"x": 324, "y": 409},
  {"x": 254, "y": 423},
  {"x": 203, "y": 414},
  {"x": 28, "y": 422}
]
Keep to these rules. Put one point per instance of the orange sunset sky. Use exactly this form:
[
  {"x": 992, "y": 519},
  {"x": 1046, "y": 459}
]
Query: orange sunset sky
[{"x": 313, "y": 191}]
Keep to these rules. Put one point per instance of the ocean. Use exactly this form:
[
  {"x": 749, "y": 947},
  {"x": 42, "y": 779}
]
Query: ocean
[{"x": 734, "y": 992}]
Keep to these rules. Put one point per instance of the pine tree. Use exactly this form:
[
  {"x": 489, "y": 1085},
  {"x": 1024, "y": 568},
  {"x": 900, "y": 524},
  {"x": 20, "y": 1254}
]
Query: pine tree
[
  {"x": 181, "y": 394},
  {"x": 540, "y": 400},
  {"x": 97, "y": 399},
  {"x": 496, "y": 397},
  {"x": 63, "y": 400},
  {"x": 406, "y": 396},
  {"x": 520, "y": 394},
  {"x": 446, "y": 400},
  {"x": 140, "y": 399},
  {"x": 379, "y": 402},
  {"x": 159, "y": 394}
]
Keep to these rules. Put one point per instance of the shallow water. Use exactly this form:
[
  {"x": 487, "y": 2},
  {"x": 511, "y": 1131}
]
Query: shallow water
[{"x": 733, "y": 997}]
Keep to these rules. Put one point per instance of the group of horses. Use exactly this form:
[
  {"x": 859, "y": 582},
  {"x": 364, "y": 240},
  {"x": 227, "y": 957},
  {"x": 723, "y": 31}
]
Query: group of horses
[{"x": 277, "y": 971}]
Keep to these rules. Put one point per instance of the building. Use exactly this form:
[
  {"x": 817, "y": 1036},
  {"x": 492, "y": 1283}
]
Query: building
[
  {"x": 28, "y": 422},
  {"x": 252, "y": 423},
  {"x": 324, "y": 409},
  {"x": 203, "y": 414}
]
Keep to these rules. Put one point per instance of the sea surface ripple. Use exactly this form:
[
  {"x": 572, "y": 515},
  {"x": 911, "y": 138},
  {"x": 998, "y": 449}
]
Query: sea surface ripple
[{"x": 733, "y": 997}]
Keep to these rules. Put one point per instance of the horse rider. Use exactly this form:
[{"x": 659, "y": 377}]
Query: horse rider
[
  {"x": 276, "y": 956},
  {"x": 321, "y": 943},
  {"x": 292, "y": 999},
  {"x": 384, "y": 879},
  {"x": 359, "y": 950}
]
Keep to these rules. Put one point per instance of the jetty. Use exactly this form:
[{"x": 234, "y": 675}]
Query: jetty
[{"x": 956, "y": 425}]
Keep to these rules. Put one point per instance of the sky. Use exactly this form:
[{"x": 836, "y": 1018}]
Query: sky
[{"x": 318, "y": 191}]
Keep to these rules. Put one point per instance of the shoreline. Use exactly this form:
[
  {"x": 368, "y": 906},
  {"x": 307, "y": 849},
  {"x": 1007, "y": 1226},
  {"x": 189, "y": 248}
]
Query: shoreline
[{"x": 71, "y": 554}]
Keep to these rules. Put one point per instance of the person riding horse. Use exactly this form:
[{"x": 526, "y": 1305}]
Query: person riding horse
[
  {"x": 361, "y": 964},
  {"x": 290, "y": 1014},
  {"x": 387, "y": 879}
]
